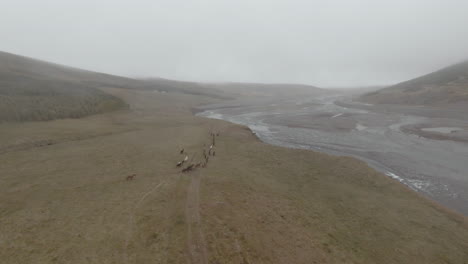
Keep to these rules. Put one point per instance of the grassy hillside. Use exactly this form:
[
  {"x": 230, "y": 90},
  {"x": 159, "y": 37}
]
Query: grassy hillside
[
  {"x": 192, "y": 88},
  {"x": 254, "y": 203},
  {"x": 32, "y": 90},
  {"x": 28, "y": 99},
  {"x": 446, "y": 86}
]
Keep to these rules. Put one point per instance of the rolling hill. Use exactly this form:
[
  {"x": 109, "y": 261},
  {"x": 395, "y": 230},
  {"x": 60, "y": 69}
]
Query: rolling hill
[
  {"x": 268, "y": 89},
  {"x": 34, "y": 90},
  {"x": 443, "y": 87}
]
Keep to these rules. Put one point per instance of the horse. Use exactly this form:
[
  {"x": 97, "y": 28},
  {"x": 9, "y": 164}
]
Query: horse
[
  {"x": 189, "y": 168},
  {"x": 130, "y": 177}
]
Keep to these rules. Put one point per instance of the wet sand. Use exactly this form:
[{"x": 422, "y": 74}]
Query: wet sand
[{"x": 405, "y": 143}]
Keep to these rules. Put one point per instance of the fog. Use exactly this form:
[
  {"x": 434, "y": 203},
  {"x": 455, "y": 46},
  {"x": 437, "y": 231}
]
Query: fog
[{"x": 327, "y": 43}]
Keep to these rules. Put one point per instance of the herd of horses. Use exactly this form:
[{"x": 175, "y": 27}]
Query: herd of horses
[{"x": 207, "y": 153}]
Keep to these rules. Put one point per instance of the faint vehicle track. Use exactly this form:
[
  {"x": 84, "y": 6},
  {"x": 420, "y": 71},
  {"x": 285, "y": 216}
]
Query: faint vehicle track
[
  {"x": 131, "y": 219},
  {"x": 196, "y": 245}
]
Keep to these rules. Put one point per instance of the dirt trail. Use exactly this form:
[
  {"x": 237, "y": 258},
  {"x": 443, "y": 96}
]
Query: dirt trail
[
  {"x": 131, "y": 219},
  {"x": 196, "y": 245}
]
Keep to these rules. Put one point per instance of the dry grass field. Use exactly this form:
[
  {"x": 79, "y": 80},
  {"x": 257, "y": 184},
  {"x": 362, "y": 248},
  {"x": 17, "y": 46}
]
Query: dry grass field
[
  {"x": 32, "y": 90},
  {"x": 65, "y": 197},
  {"x": 28, "y": 99}
]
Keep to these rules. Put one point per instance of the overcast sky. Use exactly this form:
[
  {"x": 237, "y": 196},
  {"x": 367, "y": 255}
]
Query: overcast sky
[{"x": 318, "y": 42}]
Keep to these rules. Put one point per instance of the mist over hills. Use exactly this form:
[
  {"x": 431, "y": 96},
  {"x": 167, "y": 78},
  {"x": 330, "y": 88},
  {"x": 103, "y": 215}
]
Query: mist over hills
[
  {"x": 446, "y": 86},
  {"x": 268, "y": 89},
  {"x": 34, "y": 90}
]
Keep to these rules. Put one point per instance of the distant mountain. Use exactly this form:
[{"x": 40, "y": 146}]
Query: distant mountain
[
  {"x": 35, "y": 90},
  {"x": 192, "y": 88},
  {"x": 228, "y": 90},
  {"x": 445, "y": 86},
  {"x": 267, "y": 89}
]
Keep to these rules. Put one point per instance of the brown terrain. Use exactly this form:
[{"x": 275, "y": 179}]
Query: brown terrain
[
  {"x": 106, "y": 189},
  {"x": 448, "y": 86}
]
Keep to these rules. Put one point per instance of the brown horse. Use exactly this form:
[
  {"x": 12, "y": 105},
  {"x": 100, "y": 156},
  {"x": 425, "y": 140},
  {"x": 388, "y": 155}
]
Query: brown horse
[
  {"x": 189, "y": 168},
  {"x": 130, "y": 177}
]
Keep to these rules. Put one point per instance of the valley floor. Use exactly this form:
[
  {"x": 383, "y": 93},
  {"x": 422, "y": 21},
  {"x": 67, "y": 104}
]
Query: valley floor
[{"x": 65, "y": 197}]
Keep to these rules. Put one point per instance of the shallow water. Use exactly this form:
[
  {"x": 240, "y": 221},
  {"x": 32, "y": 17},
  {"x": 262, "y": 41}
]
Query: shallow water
[
  {"x": 445, "y": 130},
  {"x": 435, "y": 168}
]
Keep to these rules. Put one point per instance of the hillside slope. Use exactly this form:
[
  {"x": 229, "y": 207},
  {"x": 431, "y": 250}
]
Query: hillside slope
[
  {"x": 268, "y": 89},
  {"x": 445, "y": 86},
  {"x": 231, "y": 90},
  {"x": 32, "y": 90},
  {"x": 192, "y": 88}
]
